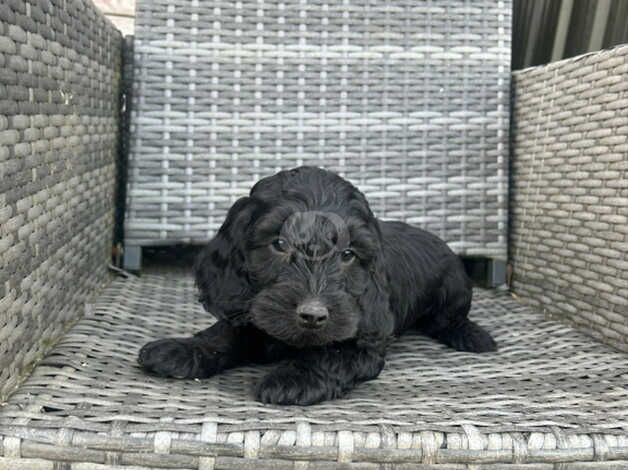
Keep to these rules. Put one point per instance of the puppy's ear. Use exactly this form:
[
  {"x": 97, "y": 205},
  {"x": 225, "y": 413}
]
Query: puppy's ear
[
  {"x": 220, "y": 271},
  {"x": 377, "y": 320}
]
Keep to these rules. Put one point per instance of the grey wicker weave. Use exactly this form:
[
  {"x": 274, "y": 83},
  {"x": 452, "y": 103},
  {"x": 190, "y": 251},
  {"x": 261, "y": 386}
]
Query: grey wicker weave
[
  {"x": 550, "y": 396},
  {"x": 409, "y": 100},
  {"x": 569, "y": 237},
  {"x": 59, "y": 74}
]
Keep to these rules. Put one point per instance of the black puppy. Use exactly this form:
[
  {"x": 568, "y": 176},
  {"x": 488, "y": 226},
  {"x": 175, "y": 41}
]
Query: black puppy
[{"x": 301, "y": 269}]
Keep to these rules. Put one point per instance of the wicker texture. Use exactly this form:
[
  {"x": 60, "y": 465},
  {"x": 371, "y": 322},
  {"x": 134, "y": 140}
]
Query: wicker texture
[
  {"x": 569, "y": 238},
  {"x": 59, "y": 70},
  {"x": 126, "y": 94},
  {"x": 550, "y": 395},
  {"x": 407, "y": 100}
]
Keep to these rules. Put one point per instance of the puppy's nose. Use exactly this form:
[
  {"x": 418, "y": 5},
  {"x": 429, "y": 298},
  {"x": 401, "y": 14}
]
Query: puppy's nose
[{"x": 312, "y": 314}]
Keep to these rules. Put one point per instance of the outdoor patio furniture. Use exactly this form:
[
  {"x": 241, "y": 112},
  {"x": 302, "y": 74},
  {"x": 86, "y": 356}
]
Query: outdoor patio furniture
[{"x": 554, "y": 396}]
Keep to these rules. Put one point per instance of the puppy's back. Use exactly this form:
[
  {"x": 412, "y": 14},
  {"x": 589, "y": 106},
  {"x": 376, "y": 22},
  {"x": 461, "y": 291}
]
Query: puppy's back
[{"x": 418, "y": 265}]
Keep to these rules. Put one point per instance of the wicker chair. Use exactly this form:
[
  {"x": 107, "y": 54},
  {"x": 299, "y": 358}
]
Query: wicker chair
[
  {"x": 410, "y": 102},
  {"x": 551, "y": 398}
]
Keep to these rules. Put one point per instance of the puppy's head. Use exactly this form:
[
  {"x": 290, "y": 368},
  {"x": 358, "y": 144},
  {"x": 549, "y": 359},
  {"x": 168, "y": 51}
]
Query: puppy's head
[{"x": 308, "y": 250}]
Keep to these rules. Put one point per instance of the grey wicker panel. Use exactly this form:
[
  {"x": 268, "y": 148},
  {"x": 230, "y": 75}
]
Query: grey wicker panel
[
  {"x": 59, "y": 72},
  {"x": 550, "y": 395},
  {"x": 409, "y": 100},
  {"x": 570, "y": 191}
]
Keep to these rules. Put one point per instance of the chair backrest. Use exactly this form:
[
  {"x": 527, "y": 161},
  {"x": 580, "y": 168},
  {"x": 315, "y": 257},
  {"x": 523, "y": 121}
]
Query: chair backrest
[{"x": 409, "y": 100}]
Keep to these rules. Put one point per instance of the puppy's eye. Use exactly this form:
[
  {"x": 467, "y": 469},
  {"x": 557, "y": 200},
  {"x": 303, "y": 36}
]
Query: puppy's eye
[
  {"x": 347, "y": 255},
  {"x": 280, "y": 245}
]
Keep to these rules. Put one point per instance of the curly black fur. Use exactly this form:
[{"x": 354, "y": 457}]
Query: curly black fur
[{"x": 302, "y": 270}]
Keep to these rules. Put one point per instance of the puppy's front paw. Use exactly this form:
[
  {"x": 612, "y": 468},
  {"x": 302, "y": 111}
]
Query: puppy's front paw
[
  {"x": 290, "y": 385},
  {"x": 180, "y": 358}
]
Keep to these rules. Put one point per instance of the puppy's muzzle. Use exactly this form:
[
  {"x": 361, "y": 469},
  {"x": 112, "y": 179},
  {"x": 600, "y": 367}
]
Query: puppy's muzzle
[{"x": 312, "y": 314}]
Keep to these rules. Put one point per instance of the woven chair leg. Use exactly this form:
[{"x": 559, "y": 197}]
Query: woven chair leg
[
  {"x": 132, "y": 258},
  {"x": 486, "y": 272},
  {"x": 496, "y": 272}
]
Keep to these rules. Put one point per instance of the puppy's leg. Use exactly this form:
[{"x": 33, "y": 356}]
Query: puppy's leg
[
  {"x": 322, "y": 374},
  {"x": 450, "y": 323},
  {"x": 219, "y": 347}
]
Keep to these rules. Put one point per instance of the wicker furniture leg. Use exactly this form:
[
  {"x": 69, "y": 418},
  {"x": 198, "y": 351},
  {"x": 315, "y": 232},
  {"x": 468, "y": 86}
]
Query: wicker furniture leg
[{"x": 132, "y": 258}]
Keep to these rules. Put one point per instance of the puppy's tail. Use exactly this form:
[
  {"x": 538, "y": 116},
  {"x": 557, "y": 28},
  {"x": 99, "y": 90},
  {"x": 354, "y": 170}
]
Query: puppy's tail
[{"x": 468, "y": 336}]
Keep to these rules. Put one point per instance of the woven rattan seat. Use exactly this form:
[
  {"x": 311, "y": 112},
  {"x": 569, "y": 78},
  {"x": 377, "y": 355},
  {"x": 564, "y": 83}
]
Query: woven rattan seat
[{"x": 550, "y": 394}]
